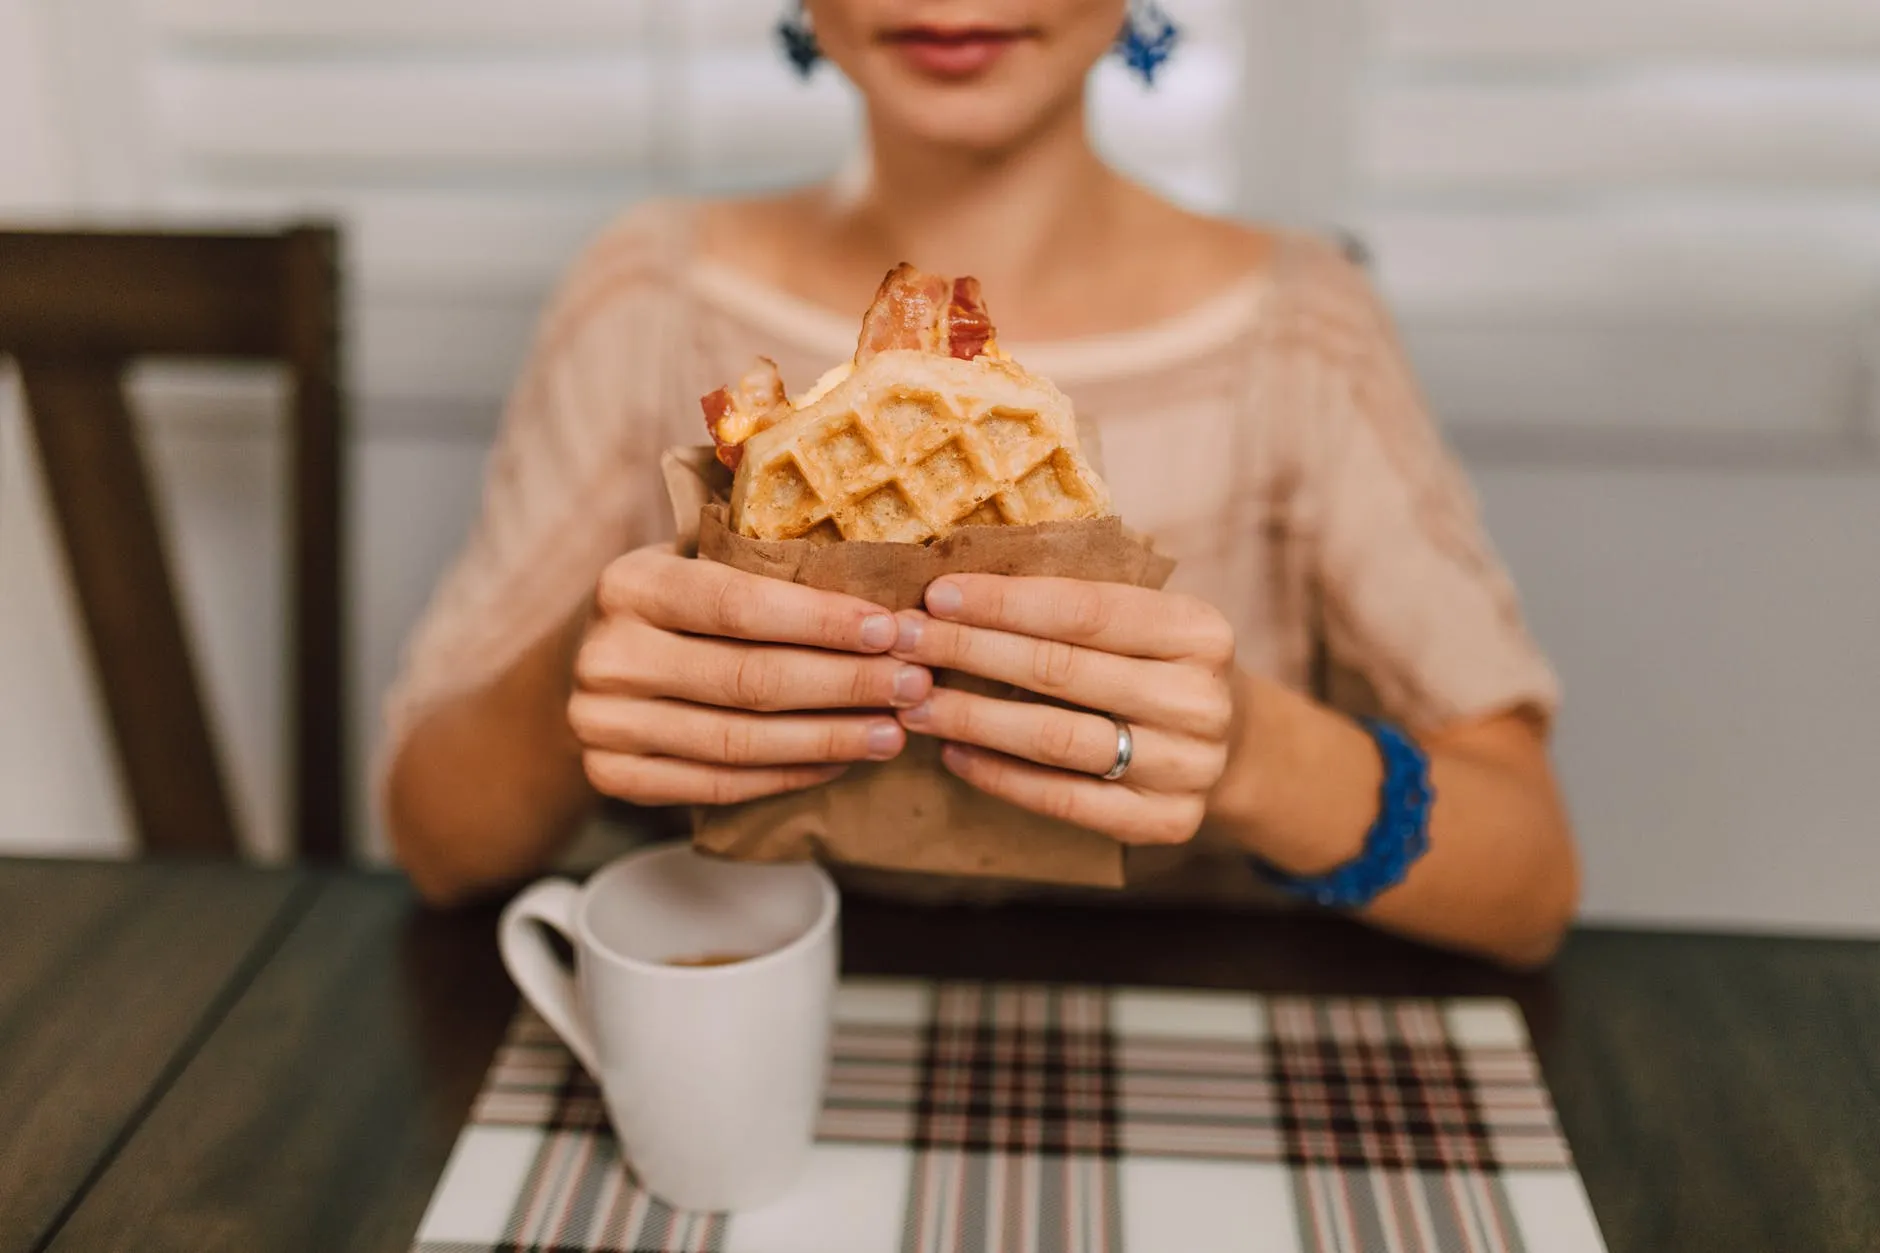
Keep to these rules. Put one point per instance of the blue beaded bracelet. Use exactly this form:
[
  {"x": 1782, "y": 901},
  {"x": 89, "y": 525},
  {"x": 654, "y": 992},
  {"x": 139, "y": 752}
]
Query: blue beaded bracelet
[{"x": 1395, "y": 841}]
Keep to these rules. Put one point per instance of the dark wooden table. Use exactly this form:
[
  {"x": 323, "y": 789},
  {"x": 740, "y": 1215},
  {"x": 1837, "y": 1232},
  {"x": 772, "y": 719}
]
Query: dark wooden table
[{"x": 204, "y": 1057}]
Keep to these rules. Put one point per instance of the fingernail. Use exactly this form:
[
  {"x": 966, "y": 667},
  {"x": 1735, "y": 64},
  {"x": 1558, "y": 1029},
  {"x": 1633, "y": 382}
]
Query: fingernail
[
  {"x": 918, "y": 716},
  {"x": 944, "y": 598},
  {"x": 884, "y": 741},
  {"x": 909, "y": 637},
  {"x": 953, "y": 757},
  {"x": 878, "y": 631},
  {"x": 911, "y": 684}
]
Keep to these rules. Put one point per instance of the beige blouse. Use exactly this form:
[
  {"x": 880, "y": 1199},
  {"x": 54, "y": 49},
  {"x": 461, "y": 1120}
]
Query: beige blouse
[{"x": 1272, "y": 439}]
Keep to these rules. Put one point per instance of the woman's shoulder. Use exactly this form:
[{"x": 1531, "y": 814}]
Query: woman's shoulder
[
  {"x": 649, "y": 235},
  {"x": 755, "y": 234},
  {"x": 1324, "y": 286},
  {"x": 649, "y": 248},
  {"x": 1181, "y": 259},
  {"x": 1317, "y": 283},
  {"x": 633, "y": 262}
]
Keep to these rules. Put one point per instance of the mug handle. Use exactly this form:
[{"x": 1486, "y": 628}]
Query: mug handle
[{"x": 545, "y": 982}]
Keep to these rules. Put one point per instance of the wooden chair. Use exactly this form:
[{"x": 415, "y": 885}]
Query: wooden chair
[{"x": 75, "y": 309}]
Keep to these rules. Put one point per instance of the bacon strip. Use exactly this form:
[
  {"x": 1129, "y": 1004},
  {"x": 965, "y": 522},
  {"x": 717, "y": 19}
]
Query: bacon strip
[
  {"x": 718, "y": 417},
  {"x": 734, "y": 414},
  {"x": 968, "y": 325},
  {"x": 907, "y": 313}
]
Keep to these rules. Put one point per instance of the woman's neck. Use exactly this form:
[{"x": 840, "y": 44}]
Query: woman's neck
[
  {"x": 1064, "y": 246},
  {"x": 1016, "y": 219}
]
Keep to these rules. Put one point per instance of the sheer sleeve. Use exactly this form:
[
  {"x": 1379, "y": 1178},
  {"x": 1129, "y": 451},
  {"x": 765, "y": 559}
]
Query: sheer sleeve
[
  {"x": 1414, "y": 598},
  {"x": 572, "y": 480}
]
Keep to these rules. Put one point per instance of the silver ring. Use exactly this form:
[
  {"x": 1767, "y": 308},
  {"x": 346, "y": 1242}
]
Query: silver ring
[{"x": 1125, "y": 751}]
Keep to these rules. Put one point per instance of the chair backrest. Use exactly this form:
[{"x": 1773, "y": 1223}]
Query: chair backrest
[{"x": 76, "y": 307}]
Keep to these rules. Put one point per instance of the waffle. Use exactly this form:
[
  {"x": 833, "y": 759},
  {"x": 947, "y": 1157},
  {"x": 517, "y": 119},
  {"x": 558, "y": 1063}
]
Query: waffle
[{"x": 931, "y": 428}]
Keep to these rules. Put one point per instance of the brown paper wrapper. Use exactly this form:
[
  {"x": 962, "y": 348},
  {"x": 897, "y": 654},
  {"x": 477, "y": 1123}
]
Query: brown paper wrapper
[{"x": 909, "y": 814}]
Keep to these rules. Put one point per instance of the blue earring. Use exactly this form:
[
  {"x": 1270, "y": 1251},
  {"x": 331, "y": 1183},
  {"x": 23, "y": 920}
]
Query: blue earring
[
  {"x": 1148, "y": 38},
  {"x": 799, "y": 41}
]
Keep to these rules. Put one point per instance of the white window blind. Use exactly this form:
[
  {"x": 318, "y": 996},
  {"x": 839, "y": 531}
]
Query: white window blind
[
  {"x": 1631, "y": 224},
  {"x": 1649, "y": 222}
]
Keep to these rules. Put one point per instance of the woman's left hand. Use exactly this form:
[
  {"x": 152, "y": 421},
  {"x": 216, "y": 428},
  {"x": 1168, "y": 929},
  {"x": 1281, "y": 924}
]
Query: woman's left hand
[{"x": 1159, "y": 661}]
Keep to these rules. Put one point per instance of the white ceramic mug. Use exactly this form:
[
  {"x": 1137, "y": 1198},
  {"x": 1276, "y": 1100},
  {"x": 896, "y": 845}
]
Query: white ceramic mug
[{"x": 713, "y": 1075}]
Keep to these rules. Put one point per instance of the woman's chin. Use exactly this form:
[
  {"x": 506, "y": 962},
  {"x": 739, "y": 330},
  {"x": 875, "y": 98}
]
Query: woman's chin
[{"x": 969, "y": 122}]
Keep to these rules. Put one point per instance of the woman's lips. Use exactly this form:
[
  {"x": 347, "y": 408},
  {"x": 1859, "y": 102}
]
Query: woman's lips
[{"x": 943, "y": 53}]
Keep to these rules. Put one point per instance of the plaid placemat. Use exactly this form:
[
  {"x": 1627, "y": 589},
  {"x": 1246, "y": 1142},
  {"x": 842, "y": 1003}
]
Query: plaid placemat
[{"x": 1031, "y": 1119}]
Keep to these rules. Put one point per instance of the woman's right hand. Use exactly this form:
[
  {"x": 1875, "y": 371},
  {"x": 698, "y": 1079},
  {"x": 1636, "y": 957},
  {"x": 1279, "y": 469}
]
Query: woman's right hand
[{"x": 698, "y": 684}]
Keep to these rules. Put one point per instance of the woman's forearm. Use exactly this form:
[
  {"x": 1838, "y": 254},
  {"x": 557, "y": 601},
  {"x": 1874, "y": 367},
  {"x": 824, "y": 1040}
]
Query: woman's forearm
[
  {"x": 1500, "y": 878},
  {"x": 489, "y": 786}
]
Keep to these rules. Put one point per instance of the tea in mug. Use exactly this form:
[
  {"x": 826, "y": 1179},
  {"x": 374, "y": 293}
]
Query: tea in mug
[{"x": 711, "y": 959}]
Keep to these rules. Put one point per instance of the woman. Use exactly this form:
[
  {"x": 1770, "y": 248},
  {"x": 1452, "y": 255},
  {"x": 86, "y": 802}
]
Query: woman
[{"x": 1252, "y": 411}]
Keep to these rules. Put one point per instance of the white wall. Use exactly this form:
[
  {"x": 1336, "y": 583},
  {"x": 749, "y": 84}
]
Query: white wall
[
  {"x": 211, "y": 440},
  {"x": 32, "y": 169},
  {"x": 51, "y": 760},
  {"x": 1659, "y": 354},
  {"x": 1637, "y": 247},
  {"x": 1719, "y": 638}
]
